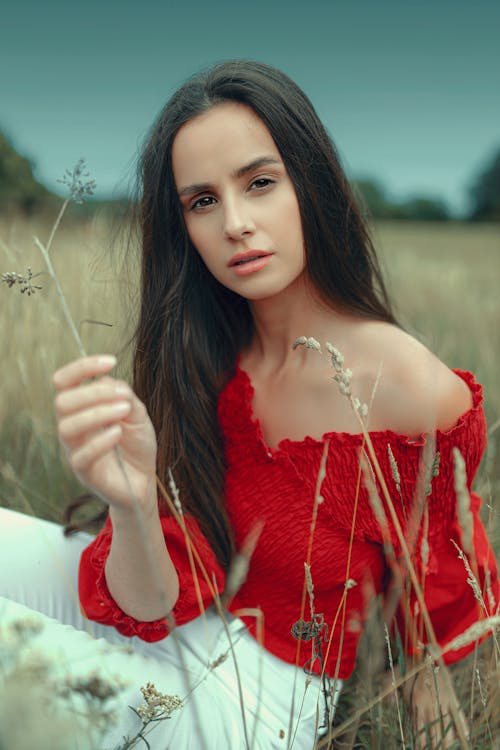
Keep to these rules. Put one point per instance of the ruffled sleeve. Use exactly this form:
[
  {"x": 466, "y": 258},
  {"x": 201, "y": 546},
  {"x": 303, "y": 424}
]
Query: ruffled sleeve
[
  {"x": 98, "y": 604},
  {"x": 442, "y": 555}
]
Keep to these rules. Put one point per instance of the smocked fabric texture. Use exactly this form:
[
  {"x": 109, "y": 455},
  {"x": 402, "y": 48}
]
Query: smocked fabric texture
[{"x": 275, "y": 490}]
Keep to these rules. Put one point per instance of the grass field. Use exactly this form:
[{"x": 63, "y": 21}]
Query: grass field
[{"x": 443, "y": 278}]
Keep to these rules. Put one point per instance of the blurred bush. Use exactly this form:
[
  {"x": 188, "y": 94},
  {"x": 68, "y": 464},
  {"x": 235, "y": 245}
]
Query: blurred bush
[{"x": 485, "y": 192}]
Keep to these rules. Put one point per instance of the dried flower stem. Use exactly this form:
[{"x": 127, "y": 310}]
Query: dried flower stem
[
  {"x": 78, "y": 189},
  {"x": 62, "y": 299},
  {"x": 55, "y": 226},
  {"x": 236, "y": 668},
  {"x": 189, "y": 545},
  {"x": 393, "y": 676},
  {"x": 318, "y": 499}
]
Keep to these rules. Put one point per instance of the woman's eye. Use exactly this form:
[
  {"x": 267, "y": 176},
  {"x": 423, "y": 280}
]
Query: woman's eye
[
  {"x": 262, "y": 182},
  {"x": 200, "y": 204}
]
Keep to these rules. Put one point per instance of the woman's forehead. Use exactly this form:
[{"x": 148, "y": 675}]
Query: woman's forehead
[{"x": 226, "y": 137}]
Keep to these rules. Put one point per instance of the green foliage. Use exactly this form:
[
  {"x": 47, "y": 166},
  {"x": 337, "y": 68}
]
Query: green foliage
[
  {"x": 485, "y": 193},
  {"x": 18, "y": 187},
  {"x": 422, "y": 209},
  {"x": 372, "y": 197}
]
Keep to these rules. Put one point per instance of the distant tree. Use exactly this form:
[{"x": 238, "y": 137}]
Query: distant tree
[
  {"x": 485, "y": 193},
  {"x": 371, "y": 195},
  {"x": 422, "y": 209},
  {"x": 18, "y": 187}
]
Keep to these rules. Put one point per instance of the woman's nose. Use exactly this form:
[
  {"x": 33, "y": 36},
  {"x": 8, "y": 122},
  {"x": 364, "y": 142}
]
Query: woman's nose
[{"x": 237, "y": 220}]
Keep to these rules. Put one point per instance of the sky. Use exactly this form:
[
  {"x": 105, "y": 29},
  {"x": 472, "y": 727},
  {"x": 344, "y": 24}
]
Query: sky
[{"x": 409, "y": 90}]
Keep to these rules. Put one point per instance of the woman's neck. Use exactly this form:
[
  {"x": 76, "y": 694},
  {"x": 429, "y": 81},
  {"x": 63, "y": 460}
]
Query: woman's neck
[{"x": 280, "y": 320}]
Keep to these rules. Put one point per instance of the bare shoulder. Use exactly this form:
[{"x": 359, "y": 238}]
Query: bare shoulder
[{"x": 416, "y": 391}]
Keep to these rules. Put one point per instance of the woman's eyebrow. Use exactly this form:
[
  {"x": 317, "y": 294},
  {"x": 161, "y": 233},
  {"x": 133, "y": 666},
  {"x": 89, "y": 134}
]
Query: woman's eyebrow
[{"x": 261, "y": 161}]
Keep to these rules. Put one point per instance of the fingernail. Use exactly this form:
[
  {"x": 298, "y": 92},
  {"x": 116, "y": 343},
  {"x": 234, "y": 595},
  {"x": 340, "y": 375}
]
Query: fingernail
[{"x": 107, "y": 360}]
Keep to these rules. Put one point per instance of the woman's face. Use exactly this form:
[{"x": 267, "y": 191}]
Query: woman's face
[{"x": 238, "y": 202}]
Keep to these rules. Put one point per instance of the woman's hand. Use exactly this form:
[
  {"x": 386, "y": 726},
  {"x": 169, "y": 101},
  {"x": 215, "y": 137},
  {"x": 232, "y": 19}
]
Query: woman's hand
[
  {"x": 98, "y": 416},
  {"x": 429, "y": 701}
]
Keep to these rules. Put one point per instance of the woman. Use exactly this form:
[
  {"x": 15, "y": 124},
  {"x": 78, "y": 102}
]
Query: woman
[{"x": 251, "y": 239}]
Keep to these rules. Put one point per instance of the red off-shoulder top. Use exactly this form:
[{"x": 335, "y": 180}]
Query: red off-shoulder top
[{"x": 275, "y": 490}]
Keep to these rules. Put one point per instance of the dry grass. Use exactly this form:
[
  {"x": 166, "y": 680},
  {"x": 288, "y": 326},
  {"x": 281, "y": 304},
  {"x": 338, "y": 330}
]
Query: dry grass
[{"x": 36, "y": 341}]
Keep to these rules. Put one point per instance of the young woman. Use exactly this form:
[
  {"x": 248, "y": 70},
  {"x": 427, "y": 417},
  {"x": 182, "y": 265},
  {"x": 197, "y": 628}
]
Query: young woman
[{"x": 251, "y": 239}]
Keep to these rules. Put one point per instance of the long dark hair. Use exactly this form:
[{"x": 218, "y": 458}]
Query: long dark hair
[{"x": 191, "y": 328}]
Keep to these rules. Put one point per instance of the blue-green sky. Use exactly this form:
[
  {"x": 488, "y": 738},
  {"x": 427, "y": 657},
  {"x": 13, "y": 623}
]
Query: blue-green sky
[{"x": 409, "y": 90}]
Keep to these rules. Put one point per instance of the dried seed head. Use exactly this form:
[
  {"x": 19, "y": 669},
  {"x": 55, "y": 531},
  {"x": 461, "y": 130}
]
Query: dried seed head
[
  {"x": 309, "y": 587},
  {"x": 471, "y": 578},
  {"x": 433, "y": 472},
  {"x": 435, "y": 465},
  {"x": 424, "y": 547},
  {"x": 337, "y": 357},
  {"x": 301, "y": 341},
  {"x": 344, "y": 388},
  {"x": 343, "y": 378},
  {"x": 308, "y": 342},
  {"x": 175, "y": 493},
  {"x": 75, "y": 180},
  {"x": 94, "y": 686},
  {"x": 11, "y": 278},
  {"x": 473, "y": 633},
  {"x": 313, "y": 344},
  {"x": 489, "y": 591},
  {"x": 359, "y": 408},
  {"x": 394, "y": 468},
  {"x": 302, "y": 630},
  {"x": 157, "y": 704},
  {"x": 309, "y": 583},
  {"x": 347, "y": 375},
  {"x": 424, "y": 551},
  {"x": 219, "y": 660}
]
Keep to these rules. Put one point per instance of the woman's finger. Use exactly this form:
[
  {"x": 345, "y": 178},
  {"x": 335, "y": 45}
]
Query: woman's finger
[
  {"x": 96, "y": 448},
  {"x": 90, "y": 420},
  {"x": 83, "y": 369},
  {"x": 76, "y": 399}
]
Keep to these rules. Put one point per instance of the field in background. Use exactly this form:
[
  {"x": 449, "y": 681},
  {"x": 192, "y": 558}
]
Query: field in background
[{"x": 444, "y": 279}]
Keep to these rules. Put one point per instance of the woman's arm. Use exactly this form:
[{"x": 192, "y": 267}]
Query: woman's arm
[
  {"x": 111, "y": 446},
  {"x": 141, "y": 579}
]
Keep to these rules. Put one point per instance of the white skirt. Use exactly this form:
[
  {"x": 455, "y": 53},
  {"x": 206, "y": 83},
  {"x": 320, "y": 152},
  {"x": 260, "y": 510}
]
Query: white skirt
[{"x": 234, "y": 693}]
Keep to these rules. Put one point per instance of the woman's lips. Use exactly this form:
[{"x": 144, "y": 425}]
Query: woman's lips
[
  {"x": 250, "y": 266},
  {"x": 249, "y": 261}
]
